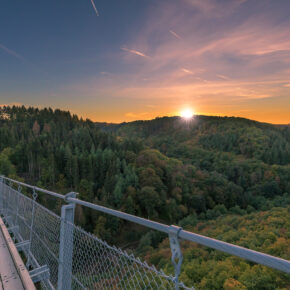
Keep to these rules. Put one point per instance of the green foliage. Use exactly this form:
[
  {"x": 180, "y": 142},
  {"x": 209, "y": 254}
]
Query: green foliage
[
  {"x": 194, "y": 174},
  {"x": 6, "y": 167},
  {"x": 209, "y": 269}
]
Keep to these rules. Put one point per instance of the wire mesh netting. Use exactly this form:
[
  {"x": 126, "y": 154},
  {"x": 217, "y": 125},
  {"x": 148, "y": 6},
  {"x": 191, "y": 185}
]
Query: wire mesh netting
[
  {"x": 94, "y": 263},
  {"x": 35, "y": 224}
]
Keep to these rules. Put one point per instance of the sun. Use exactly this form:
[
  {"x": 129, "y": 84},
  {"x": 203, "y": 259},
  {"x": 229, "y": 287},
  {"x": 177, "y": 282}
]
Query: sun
[{"x": 187, "y": 113}]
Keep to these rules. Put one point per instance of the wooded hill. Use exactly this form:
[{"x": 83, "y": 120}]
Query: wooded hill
[
  {"x": 167, "y": 169},
  {"x": 264, "y": 231}
]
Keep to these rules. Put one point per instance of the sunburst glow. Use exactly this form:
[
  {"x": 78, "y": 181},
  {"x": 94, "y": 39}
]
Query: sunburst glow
[{"x": 187, "y": 113}]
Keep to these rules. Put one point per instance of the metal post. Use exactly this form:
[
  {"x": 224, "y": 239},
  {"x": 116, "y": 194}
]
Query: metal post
[
  {"x": 7, "y": 201},
  {"x": 17, "y": 205},
  {"x": 176, "y": 257},
  {"x": 66, "y": 245},
  {"x": 34, "y": 196},
  {"x": 1, "y": 193}
]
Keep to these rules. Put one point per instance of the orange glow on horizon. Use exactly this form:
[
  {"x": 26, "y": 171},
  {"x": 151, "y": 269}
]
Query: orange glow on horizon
[
  {"x": 271, "y": 114},
  {"x": 264, "y": 117},
  {"x": 260, "y": 100}
]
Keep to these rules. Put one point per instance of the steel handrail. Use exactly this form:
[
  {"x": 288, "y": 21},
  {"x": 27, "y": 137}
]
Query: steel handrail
[
  {"x": 254, "y": 256},
  {"x": 61, "y": 196}
]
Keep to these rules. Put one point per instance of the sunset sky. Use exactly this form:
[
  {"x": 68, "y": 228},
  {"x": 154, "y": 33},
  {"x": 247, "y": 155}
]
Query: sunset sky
[{"x": 123, "y": 60}]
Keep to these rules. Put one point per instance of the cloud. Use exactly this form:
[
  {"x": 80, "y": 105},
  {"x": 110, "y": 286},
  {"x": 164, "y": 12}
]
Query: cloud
[
  {"x": 187, "y": 71},
  {"x": 12, "y": 53},
  {"x": 255, "y": 95},
  {"x": 175, "y": 34},
  {"x": 138, "y": 115},
  {"x": 255, "y": 46},
  {"x": 95, "y": 8},
  {"x": 215, "y": 8},
  {"x": 249, "y": 53},
  {"x": 222, "y": 77},
  {"x": 22, "y": 59},
  {"x": 133, "y": 51},
  {"x": 105, "y": 73}
]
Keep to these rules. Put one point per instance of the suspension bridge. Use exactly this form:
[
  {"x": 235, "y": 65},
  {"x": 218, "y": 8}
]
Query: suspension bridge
[{"x": 39, "y": 247}]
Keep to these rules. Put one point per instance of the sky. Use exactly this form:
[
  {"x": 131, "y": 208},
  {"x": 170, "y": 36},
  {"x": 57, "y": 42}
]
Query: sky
[{"x": 114, "y": 61}]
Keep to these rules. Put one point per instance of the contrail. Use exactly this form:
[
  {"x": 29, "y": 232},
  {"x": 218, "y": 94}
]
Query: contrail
[
  {"x": 13, "y": 53},
  {"x": 134, "y": 51},
  {"x": 21, "y": 58},
  {"x": 95, "y": 8}
]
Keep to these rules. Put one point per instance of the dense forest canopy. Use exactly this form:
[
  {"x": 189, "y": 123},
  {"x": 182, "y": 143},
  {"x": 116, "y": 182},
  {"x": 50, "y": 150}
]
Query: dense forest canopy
[
  {"x": 264, "y": 231},
  {"x": 166, "y": 169}
]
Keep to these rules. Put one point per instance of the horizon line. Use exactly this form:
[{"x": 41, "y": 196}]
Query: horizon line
[{"x": 80, "y": 116}]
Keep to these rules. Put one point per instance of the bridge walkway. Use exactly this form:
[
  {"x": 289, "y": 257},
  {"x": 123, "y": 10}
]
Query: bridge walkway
[{"x": 13, "y": 274}]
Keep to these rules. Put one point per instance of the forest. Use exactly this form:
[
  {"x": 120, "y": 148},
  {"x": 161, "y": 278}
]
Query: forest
[
  {"x": 265, "y": 231},
  {"x": 224, "y": 177}
]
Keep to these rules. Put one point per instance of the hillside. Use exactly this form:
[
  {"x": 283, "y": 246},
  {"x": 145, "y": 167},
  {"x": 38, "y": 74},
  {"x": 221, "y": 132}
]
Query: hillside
[
  {"x": 265, "y": 231},
  {"x": 172, "y": 135},
  {"x": 181, "y": 167},
  {"x": 165, "y": 169}
]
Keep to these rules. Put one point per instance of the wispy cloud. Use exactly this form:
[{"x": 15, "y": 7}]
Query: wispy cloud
[
  {"x": 136, "y": 115},
  {"x": 255, "y": 95},
  {"x": 187, "y": 71},
  {"x": 13, "y": 53},
  {"x": 243, "y": 61},
  {"x": 105, "y": 73},
  {"x": 222, "y": 77},
  {"x": 22, "y": 59},
  {"x": 215, "y": 8},
  {"x": 175, "y": 34},
  {"x": 95, "y": 8},
  {"x": 133, "y": 51}
]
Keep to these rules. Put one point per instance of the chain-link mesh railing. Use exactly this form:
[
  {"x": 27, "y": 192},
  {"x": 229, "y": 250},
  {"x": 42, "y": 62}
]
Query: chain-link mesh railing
[
  {"x": 35, "y": 224},
  {"x": 65, "y": 256},
  {"x": 94, "y": 263}
]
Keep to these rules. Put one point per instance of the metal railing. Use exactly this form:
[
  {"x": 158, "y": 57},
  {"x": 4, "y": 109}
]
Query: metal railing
[{"x": 65, "y": 256}]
